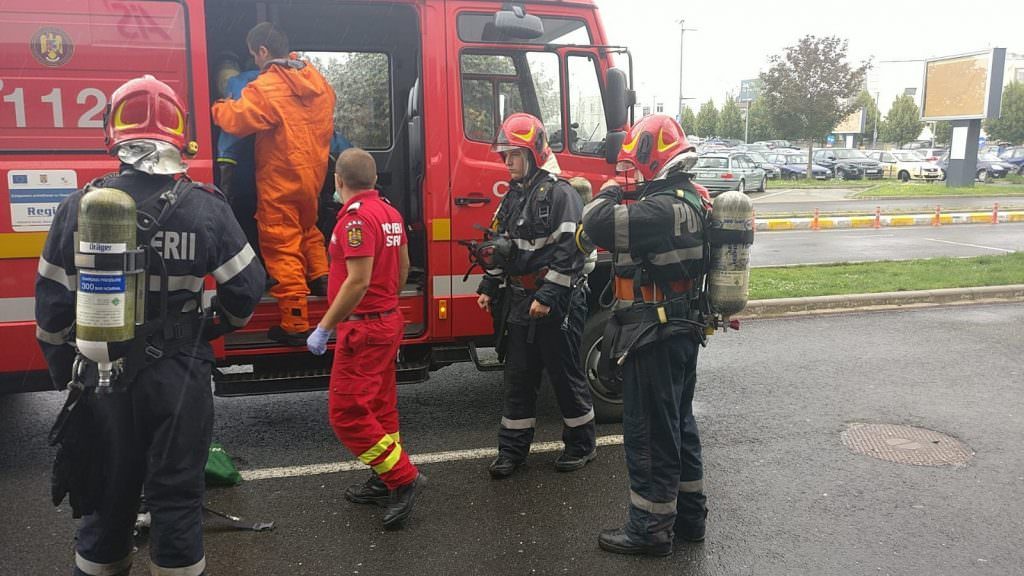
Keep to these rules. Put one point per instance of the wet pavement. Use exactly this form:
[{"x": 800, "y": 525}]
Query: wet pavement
[{"x": 786, "y": 495}]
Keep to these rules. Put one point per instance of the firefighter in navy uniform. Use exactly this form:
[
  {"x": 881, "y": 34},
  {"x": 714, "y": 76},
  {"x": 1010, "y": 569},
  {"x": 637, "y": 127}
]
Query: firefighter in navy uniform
[
  {"x": 652, "y": 338},
  {"x": 151, "y": 433},
  {"x": 541, "y": 292}
]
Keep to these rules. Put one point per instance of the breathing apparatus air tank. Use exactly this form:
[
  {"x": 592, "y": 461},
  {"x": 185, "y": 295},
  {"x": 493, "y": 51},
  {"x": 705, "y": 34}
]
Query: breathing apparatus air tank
[
  {"x": 731, "y": 232},
  {"x": 109, "y": 289}
]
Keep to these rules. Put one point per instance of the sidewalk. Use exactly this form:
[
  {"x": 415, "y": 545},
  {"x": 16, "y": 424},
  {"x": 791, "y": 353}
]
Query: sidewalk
[
  {"x": 881, "y": 301},
  {"x": 881, "y": 220}
]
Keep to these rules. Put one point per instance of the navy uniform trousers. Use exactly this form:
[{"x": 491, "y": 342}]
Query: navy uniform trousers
[
  {"x": 662, "y": 444},
  {"x": 156, "y": 438}
]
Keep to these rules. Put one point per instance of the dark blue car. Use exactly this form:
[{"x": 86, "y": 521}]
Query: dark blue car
[
  {"x": 1015, "y": 157},
  {"x": 989, "y": 166},
  {"x": 793, "y": 166}
]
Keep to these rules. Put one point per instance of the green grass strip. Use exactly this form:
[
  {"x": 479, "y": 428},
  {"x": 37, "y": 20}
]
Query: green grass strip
[
  {"x": 886, "y": 276},
  {"x": 918, "y": 190}
]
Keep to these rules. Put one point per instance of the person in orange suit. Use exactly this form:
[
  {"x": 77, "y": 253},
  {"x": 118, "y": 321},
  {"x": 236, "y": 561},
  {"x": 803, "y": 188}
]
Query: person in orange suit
[{"x": 290, "y": 109}]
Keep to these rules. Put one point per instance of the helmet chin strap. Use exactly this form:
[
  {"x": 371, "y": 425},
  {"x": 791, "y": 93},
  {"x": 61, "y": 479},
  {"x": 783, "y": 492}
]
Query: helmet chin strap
[{"x": 531, "y": 168}]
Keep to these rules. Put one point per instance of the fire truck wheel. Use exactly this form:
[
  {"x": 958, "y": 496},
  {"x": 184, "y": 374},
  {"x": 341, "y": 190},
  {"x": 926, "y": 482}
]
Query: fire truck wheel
[{"x": 607, "y": 399}]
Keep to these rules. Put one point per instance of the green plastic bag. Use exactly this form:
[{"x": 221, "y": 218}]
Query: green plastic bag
[{"x": 220, "y": 470}]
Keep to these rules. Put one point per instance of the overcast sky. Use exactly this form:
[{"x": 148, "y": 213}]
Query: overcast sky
[{"x": 733, "y": 40}]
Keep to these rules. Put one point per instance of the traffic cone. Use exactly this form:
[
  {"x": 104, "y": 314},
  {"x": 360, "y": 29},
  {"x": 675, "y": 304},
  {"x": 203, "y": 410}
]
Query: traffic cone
[
  {"x": 878, "y": 217},
  {"x": 937, "y": 219},
  {"x": 814, "y": 223},
  {"x": 995, "y": 213}
]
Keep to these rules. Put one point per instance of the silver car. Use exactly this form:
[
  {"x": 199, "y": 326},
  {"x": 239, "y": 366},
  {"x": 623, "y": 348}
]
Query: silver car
[{"x": 722, "y": 172}]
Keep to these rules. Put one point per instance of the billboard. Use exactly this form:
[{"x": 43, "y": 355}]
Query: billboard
[
  {"x": 964, "y": 87},
  {"x": 749, "y": 90},
  {"x": 852, "y": 124}
]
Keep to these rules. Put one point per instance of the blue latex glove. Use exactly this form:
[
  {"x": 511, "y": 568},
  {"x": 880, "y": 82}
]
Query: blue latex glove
[{"x": 317, "y": 341}]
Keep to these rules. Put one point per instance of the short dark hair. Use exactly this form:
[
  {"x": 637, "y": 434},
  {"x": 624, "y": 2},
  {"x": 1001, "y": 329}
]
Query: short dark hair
[
  {"x": 265, "y": 34},
  {"x": 357, "y": 169}
]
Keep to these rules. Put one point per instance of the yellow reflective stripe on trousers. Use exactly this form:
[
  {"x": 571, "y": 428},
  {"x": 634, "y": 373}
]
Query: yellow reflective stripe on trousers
[
  {"x": 389, "y": 462},
  {"x": 376, "y": 450},
  {"x": 397, "y": 436}
]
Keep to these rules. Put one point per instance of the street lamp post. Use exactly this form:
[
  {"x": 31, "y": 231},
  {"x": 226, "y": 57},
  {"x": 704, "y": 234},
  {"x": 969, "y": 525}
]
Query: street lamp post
[{"x": 682, "y": 29}]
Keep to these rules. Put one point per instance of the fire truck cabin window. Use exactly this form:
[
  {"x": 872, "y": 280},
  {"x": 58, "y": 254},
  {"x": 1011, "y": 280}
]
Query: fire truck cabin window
[
  {"x": 362, "y": 90},
  {"x": 495, "y": 86}
]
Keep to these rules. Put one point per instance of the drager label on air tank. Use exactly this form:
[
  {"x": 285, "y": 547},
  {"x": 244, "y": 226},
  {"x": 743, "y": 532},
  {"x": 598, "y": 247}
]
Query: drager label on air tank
[{"x": 100, "y": 300}]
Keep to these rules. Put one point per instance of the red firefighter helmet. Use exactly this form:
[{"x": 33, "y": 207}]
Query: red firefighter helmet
[
  {"x": 524, "y": 131},
  {"x": 145, "y": 108},
  {"x": 650, "y": 144}
]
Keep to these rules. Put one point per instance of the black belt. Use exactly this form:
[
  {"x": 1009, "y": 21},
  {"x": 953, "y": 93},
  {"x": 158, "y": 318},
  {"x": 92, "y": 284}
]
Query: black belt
[
  {"x": 645, "y": 312},
  {"x": 370, "y": 315}
]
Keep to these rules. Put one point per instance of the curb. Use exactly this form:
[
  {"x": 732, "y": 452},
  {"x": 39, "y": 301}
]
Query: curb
[
  {"x": 881, "y": 301},
  {"x": 831, "y": 222}
]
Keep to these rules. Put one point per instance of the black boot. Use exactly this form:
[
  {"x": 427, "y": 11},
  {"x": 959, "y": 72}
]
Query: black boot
[
  {"x": 617, "y": 541},
  {"x": 567, "y": 463},
  {"x": 401, "y": 502},
  {"x": 503, "y": 466},
  {"x": 373, "y": 491},
  {"x": 279, "y": 334},
  {"x": 318, "y": 286}
]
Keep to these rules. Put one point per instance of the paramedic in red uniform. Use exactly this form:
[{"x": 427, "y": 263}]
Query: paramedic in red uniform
[{"x": 369, "y": 264}]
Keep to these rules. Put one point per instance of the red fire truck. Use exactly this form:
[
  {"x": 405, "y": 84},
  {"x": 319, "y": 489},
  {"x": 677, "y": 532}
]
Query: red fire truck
[{"x": 421, "y": 84}]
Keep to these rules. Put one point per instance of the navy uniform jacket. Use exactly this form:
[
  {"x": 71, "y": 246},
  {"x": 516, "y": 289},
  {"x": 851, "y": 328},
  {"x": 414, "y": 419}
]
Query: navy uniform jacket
[
  {"x": 200, "y": 237},
  {"x": 662, "y": 232},
  {"x": 541, "y": 218}
]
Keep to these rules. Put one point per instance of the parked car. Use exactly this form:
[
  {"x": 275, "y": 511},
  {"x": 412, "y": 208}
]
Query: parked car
[
  {"x": 932, "y": 154},
  {"x": 916, "y": 145},
  {"x": 793, "y": 166},
  {"x": 721, "y": 172},
  {"x": 905, "y": 165},
  {"x": 1015, "y": 156},
  {"x": 848, "y": 164},
  {"x": 775, "y": 144},
  {"x": 989, "y": 166},
  {"x": 771, "y": 170}
]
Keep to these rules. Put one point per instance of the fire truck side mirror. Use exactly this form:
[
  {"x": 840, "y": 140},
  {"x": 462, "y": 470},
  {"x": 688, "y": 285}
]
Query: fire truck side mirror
[
  {"x": 612, "y": 145},
  {"x": 516, "y": 23},
  {"x": 616, "y": 99}
]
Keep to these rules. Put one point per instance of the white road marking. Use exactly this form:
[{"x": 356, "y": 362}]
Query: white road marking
[
  {"x": 430, "y": 458},
  {"x": 770, "y": 195},
  {"x": 970, "y": 245}
]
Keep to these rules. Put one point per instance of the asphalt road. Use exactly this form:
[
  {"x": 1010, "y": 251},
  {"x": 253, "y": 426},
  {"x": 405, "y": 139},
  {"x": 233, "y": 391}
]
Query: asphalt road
[
  {"x": 889, "y": 243},
  {"x": 786, "y": 496},
  {"x": 784, "y": 202}
]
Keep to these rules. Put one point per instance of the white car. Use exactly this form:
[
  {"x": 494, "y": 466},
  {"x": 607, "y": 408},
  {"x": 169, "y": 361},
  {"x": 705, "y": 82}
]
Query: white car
[{"x": 906, "y": 165}]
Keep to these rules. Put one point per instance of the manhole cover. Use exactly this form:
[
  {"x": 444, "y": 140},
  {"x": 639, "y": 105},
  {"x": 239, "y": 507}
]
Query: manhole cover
[{"x": 906, "y": 445}]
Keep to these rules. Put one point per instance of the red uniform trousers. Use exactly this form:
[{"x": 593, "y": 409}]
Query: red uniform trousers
[{"x": 364, "y": 396}]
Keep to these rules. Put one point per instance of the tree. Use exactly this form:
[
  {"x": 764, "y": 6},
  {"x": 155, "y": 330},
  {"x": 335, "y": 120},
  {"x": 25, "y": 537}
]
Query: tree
[
  {"x": 688, "y": 121},
  {"x": 903, "y": 122},
  {"x": 707, "y": 119},
  {"x": 761, "y": 127},
  {"x": 362, "y": 110},
  {"x": 1010, "y": 124},
  {"x": 871, "y": 114},
  {"x": 730, "y": 120},
  {"x": 811, "y": 87},
  {"x": 943, "y": 132}
]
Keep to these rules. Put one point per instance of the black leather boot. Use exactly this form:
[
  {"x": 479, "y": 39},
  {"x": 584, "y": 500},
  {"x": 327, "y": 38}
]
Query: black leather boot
[
  {"x": 567, "y": 463},
  {"x": 373, "y": 491},
  {"x": 503, "y": 466},
  {"x": 318, "y": 286},
  {"x": 401, "y": 502},
  {"x": 616, "y": 540}
]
